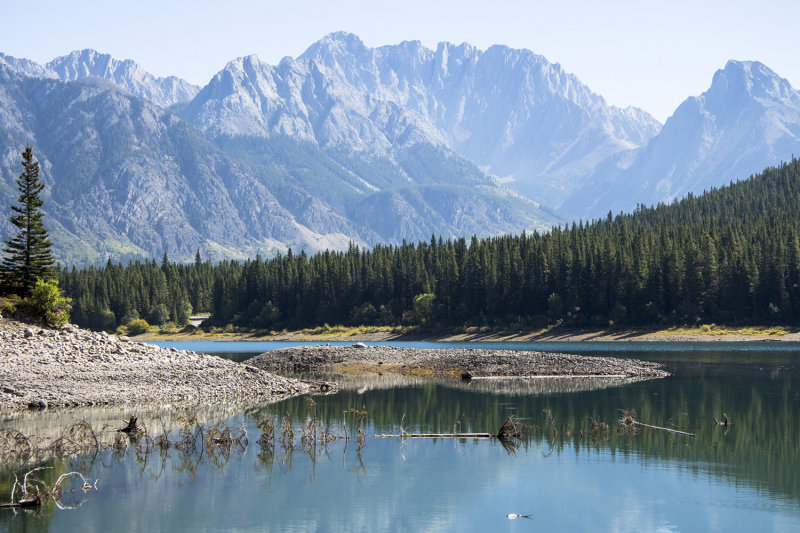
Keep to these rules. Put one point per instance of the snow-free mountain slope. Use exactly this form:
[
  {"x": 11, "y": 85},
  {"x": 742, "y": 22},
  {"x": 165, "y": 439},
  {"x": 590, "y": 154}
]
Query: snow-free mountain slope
[
  {"x": 126, "y": 178},
  {"x": 508, "y": 111},
  {"x": 747, "y": 120}
]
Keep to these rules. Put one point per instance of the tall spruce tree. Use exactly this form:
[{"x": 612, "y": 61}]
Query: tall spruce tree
[{"x": 28, "y": 255}]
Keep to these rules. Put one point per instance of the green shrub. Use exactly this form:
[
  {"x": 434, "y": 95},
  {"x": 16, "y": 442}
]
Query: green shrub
[
  {"x": 9, "y": 304},
  {"x": 49, "y": 303},
  {"x": 137, "y": 326}
]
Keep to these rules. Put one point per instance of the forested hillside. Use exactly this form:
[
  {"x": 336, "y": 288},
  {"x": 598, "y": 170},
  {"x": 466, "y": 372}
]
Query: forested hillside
[{"x": 730, "y": 256}]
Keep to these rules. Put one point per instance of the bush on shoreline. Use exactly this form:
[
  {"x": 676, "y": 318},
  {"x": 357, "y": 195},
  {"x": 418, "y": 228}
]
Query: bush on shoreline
[{"x": 46, "y": 303}]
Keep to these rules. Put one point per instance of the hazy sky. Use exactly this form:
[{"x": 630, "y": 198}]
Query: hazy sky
[{"x": 650, "y": 54}]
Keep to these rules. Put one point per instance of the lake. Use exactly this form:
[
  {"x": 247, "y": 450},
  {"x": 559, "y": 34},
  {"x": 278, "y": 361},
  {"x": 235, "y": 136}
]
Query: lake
[{"x": 567, "y": 474}]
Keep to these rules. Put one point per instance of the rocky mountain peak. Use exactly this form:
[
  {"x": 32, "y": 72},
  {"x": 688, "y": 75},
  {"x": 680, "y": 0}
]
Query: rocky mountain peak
[
  {"x": 746, "y": 81},
  {"x": 748, "y": 119},
  {"x": 335, "y": 44},
  {"x": 83, "y": 63},
  {"x": 126, "y": 74},
  {"x": 25, "y": 67}
]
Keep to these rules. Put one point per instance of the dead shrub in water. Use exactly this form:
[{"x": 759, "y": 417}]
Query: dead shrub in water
[
  {"x": 220, "y": 434},
  {"x": 29, "y": 498},
  {"x": 77, "y": 438},
  {"x": 513, "y": 429},
  {"x": 598, "y": 430},
  {"x": 15, "y": 446},
  {"x": 266, "y": 425},
  {"x": 627, "y": 422},
  {"x": 359, "y": 415},
  {"x": 287, "y": 433},
  {"x": 190, "y": 432}
]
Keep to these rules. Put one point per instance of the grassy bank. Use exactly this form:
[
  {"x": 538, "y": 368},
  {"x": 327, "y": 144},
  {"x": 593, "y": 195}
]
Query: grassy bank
[{"x": 704, "y": 332}]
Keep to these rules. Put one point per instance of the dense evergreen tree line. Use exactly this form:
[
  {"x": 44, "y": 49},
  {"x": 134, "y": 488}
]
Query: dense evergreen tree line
[
  {"x": 113, "y": 295},
  {"x": 730, "y": 256}
]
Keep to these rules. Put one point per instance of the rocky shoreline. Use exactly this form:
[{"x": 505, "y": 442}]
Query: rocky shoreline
[
  {"x": 71, "y": 367},
  {"x": 457, "y": 363}
]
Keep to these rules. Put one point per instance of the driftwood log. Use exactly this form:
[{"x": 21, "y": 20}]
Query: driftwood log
[
  {"x": 627, "y": 420},
  {"x": 22, "y": 504},
  {"x": 439, "y": 435},
  {"x": 510, "y": 429}
]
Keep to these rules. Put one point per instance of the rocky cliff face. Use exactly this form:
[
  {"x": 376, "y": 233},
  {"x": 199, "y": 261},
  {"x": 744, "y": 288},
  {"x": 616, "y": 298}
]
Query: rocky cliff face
[{"x": 126, "y": 178}]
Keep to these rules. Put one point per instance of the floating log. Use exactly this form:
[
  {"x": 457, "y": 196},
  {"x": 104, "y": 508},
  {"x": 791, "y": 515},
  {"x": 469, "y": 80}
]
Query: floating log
[
  {"x": 510, "y": 429},
  {"x": 552, "y": 376},
  {"x": 322, "y": 386},
  {"x": 22, "y": 504},
  {"x": 691, "y": 435},
  {"x": 439, "y": 435},
  {"x": 628, "y": 420}
]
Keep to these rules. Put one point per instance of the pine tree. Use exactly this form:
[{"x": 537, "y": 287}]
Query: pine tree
[{"x": 28, "y": 254}]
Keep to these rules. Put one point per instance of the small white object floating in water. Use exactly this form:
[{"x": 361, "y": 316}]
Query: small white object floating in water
[{"x": 514, "y": 516}]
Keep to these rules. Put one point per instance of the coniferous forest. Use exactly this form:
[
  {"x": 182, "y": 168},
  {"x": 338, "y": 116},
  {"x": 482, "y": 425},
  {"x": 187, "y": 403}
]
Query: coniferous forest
[{"x": 730, "y": 256}]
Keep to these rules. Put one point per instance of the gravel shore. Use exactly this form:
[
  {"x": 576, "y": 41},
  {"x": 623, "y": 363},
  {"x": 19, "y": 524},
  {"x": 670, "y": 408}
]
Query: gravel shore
[
  {"x": 449, "y": 362},
  {"x": 70, "y": 367}
]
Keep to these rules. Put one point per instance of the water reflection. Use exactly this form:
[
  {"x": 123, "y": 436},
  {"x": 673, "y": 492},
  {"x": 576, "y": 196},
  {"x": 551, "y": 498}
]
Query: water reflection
[
  {"x": 570, "y": 473},
  {"x": 526, "y": 386}
]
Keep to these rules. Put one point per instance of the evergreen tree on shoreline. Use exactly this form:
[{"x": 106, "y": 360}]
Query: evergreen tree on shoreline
[{"x": 28, "y": 253}]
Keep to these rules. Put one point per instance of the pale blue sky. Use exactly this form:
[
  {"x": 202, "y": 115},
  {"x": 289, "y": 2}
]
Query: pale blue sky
[{"x": 633, "y": 52}]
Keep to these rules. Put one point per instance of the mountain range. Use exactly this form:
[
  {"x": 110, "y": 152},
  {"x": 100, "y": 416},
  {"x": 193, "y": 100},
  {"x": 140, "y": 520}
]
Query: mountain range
[
  {"x": 747, "y": 120},
  {"x": 351, "y": 143}
]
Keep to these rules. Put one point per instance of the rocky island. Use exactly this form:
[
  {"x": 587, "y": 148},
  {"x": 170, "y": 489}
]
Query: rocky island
[{"x": 459, "y": 363}]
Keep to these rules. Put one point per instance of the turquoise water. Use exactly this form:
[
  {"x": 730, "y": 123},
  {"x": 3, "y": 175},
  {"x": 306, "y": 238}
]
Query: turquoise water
[
  {"x": 636, "y": 347},
  {"x": 745, "y": 478}
]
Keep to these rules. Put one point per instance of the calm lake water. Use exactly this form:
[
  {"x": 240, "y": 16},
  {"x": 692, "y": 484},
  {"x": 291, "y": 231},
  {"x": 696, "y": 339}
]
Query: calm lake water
[{"x": 567, "y": 478}]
